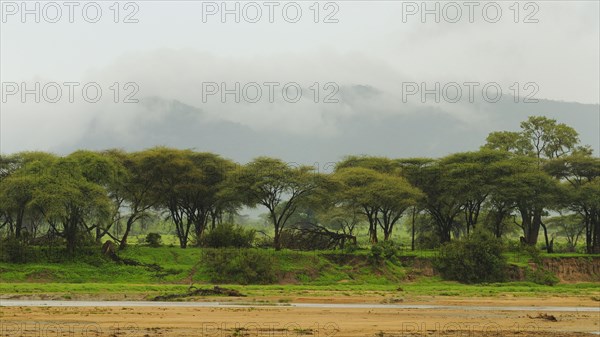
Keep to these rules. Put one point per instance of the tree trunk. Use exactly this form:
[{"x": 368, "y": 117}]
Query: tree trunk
[
  {"x": 98, "y": 234},
  {"x": 445, "y": 237},
  {"x": 386, "y": 235},
  {"x": 373, "y": 233},
  {"x": 549, "y": 244},
  {"x": 182, "y": 242},
  {"x": 199, "y": 226},
  {"x": 71, "y": 235},
  {"x": 531, "y": 223},
  {"x": 412, "y": 241},
  {"x": 128, "y": 226},
  {"x": 19, "y": 223},
  {"x": 595, "y": 226},
  {"x": 277, "y": 240},
  {"x": 277, "y": 235},
  {"x": 445, "y": 233},
  {"x": 372, "y": 217}
]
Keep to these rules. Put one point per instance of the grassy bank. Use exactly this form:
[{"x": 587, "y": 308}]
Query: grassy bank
[
  {"x": 184, "y": 266},
  {"x": 323, "y": 273},
  {"x": 423, "y": 287}
]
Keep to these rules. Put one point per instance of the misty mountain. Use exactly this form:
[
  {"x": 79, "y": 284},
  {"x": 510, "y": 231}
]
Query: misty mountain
[{"x": 403, "y": 131}]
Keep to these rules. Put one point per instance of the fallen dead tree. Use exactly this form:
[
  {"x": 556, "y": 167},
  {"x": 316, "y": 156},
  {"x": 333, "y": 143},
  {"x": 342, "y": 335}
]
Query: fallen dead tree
[
  {"x": 193, "y": 291},
  {"x": 547, "y": 317},
  {"x": 309, "y": 236},
  {"x": 109, "y": 250}
]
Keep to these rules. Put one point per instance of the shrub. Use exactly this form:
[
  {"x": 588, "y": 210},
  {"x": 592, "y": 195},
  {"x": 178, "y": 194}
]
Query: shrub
[
  {"x": 242, "y": 266},
  {"x": 264, "y": 242},
  {"x": 427, "y": 240},
  {"x": 540, "y": 276},
  {"x": 384, "y": 251},
  {"x": 15, "y": 251},
  {"x": 351, "y": 248},
  {"x": 475, "y": 259},
  {"x": 228, "y": 235},
  {"x": 154, "y": 240}
]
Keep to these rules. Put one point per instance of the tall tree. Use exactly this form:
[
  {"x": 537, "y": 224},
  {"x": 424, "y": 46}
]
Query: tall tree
[
  {"x": 19, "y": 175},
  {"x": 132, "y": 193},
  {"x": 540, "y": 138},
  {"x": 179, "y": 186},
  {"x": 443, "y": 199},
  {"x": 581, "y": 173},
  {"x": 275, "y": 185},
  {"x": 69, "y": 201},
  {"x": 473, "y": 176},
  {"x": 382, "y": 198}
]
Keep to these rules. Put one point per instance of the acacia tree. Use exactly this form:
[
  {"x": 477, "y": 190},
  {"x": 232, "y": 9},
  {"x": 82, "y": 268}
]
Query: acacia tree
[
  {"x": 530, "y": 191},
  {"x": 581, "y": 174},
  {"x": 275, "y": 185},
  {"x": 473, "y": 177},
  {"x": 388, "y": 193},
  {"x": 442, "y": 199},
  {"x": 186, "y": 184},
  {"x": 19, "y": 176},
  {"x": 382, "y": 198},
  {"x": 16, "y": 193},
  {"x": 570, "y": 226},
  {"x": 132, "y": 192},
  {"x": 68, "y": 200},
  {"x": 109, "y": 173},
  {"x": 542, "y": 139},
  {"x": 591, "y": 192}
]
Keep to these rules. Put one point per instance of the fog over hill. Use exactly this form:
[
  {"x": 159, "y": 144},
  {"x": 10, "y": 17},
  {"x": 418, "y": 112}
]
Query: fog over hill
[
  {"x": 420, "y": 131},
  {"x": 364, "y": 61}
]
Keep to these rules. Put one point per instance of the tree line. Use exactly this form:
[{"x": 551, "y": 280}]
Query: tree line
[{"x": 527, "y": 179}]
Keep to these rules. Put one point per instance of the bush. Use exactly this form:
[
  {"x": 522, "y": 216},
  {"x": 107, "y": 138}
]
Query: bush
[
  {"x": 540, "y": 276},
  {"x": 16, "y": 251},
  {"x": 228, "y": 235},
  {"x": 475, "y": 259},
  {"x": 427, "y": 240},
  {"x": 351, "y": 248},
  {"x": 384, "y": 251},
  {"x": 264, "y": 242},
  {"x": 242, "y": 266},
  {"x": 154, "y": 240}
]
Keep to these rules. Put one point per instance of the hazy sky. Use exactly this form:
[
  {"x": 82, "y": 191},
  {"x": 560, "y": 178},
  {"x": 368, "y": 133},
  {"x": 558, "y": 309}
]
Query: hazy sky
[{"x": 177, "y": 49}]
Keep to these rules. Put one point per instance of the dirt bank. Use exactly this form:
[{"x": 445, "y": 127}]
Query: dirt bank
[
  {"x": 567, "y": 269},
  {"x": 574, "y": 269}
]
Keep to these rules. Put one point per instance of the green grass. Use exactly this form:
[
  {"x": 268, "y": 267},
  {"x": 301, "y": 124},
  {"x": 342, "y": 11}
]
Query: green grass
[
  {"x": 424, "y": 287},
  {"x": 318, "y": 273},
  {"x": 183, "y": 265}
]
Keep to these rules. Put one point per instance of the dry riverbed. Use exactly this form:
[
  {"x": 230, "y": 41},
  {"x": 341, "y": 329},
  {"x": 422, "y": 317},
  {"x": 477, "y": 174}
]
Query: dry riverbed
[{"x": 260, "y": 320}]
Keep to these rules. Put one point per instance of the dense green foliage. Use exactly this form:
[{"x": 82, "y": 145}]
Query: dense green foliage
[
  {"x": 384, "y": 251},
  {"x": 154, "y": 240},
  {"x": 516, "y": 183},
  {"x": 242, "y": 266},
  {"x": 228, "y": 235},
  {"x": 327, "y": 269},
  {"x": 475, "y": 259}
]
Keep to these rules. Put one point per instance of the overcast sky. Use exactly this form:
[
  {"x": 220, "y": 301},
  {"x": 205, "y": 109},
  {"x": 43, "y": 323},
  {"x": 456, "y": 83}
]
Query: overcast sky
[{"x": 369, "y": 56}]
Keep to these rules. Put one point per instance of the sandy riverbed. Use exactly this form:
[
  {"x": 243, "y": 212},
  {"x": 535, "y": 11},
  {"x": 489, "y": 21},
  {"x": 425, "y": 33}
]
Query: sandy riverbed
[{"x": 299, "y": 321}]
